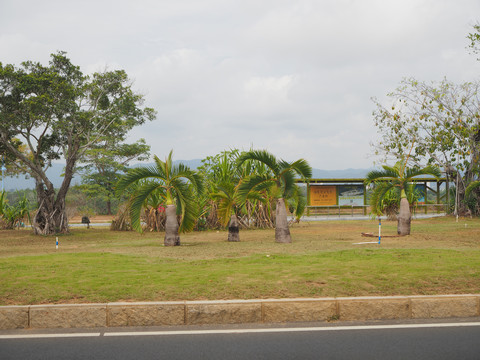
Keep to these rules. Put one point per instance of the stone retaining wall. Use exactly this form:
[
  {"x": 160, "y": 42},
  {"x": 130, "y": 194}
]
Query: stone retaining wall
[{"x": 238, "y": 311}]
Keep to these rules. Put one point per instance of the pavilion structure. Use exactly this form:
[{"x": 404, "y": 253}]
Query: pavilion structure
[{"x": 351, "y": 196}]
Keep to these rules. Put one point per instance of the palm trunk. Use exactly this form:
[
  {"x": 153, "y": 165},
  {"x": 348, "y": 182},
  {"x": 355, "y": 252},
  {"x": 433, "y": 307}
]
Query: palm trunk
[
  {"x": 171, "y": 227},
  {"x": 404, "y": 217},
  {"x": 233, "y": 232},
  {"x": 282, "y": 232}
]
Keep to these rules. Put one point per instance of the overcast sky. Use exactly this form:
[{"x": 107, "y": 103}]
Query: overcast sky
[{"x": 293, "y": 77}]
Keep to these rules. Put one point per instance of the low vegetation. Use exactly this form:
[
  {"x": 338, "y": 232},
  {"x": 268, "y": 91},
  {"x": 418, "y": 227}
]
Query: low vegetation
[{"x": 325, "y": 259}]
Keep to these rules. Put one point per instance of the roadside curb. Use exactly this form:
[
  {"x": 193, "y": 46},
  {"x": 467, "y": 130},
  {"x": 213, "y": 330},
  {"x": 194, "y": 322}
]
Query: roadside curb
[{"x": 238, "y": 311}]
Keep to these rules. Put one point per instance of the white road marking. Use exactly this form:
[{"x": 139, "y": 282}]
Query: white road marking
[
  {"x": 44, "y": 336},
  {"x": 281, "y": 330},
  {"x": 242, "y": 331}
]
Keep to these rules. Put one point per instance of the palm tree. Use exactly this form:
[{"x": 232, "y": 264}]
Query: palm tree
[
  {"x": 471, "y": 187},
  {"x": 177, "y": 185},
  {"x": 397, "y": 177},
  {"x": 226, "y": 196},
  {"x": 221, "y": 176},
  {"x": 229, "y": 205},
  {"x": 281, "y": 176}
]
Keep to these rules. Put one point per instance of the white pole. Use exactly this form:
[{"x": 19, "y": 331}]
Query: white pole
[{"x": 379, "y": 229}]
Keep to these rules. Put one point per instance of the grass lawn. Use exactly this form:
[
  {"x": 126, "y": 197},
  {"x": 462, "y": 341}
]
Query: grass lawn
[{"x": 441, "y": 256}]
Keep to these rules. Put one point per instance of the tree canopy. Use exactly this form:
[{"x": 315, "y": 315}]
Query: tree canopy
[
  {"x": 105, "y": 162},
  {"x": 437, "y": 123},
  {"x": 56, "y": 112}
]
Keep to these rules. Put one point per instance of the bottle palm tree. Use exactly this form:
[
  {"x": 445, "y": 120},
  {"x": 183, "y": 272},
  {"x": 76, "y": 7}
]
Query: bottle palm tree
[
  {"x": 281, "y": 176},
  {"x": 230, "y": 204},
  {"x": 397, "y": 177},
  {"x": 227, "y": 199},
  {"x": 177, "y": 185}
]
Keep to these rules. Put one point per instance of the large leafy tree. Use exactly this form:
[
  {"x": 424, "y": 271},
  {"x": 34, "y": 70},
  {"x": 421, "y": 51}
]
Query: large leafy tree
[
  {"x": 397, "y": 178},
  {"x": 106, "y": 161},
  {"x": 177, "y": 185},
  {"x": 58, "y": 112},
  {"x": 442, "y": 120},
  {"x": 281, "y": 177}
]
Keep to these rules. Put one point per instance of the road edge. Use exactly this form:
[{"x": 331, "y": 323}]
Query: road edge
[{"x": 238, "y": 311}]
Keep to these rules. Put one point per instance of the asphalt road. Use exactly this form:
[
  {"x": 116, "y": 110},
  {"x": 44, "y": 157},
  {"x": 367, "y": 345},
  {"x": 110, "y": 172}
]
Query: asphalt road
[{"x": 447, "y": 340}]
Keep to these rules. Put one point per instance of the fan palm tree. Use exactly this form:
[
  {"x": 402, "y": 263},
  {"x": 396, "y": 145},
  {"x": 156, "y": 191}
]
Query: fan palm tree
[
  {"x": 177, "y": 185},
  {"x": 397, "y": 177},
  {"x": 281, "y": 176}
]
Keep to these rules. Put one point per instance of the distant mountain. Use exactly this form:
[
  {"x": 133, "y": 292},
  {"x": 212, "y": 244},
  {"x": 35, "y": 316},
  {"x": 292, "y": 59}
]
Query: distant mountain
[
  {"x": 340, "y": 174},
  {"x": 192, "y": 164},
  {"x": 55, "y": 174},
  {"x": 12, "y": 183}
]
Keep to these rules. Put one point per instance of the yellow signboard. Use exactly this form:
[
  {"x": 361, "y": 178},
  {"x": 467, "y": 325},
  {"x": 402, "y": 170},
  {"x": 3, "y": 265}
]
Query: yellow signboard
[{"x": 323, "y": 195}]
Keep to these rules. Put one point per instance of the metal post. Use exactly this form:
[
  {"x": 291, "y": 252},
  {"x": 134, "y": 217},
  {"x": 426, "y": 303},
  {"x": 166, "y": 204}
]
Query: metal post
[{"x": 379, "y": 229}]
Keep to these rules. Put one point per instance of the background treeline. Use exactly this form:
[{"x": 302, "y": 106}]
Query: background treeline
[{"x": 221, "y": 176}]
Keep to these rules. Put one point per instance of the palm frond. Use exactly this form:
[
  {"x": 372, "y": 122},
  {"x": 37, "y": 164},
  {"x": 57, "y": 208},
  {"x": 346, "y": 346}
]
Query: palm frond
[
  {"x": 254, "y": 183},
  {"x": 302, "y": 168},
  {"x": 378, "y": 194},
  {"x": 388, "y": 173},
  {"x": 138, "y": 202},
  {"x": 256, "y": 196},
  {"x": 262, "y": 156},
  {"x": 224, "y": 210},
  {"x": 182, "y": 171},
  {"x": 135, "y": 175},
  {"x": 472, "y": 186},
  {"x": 428, "y": 170},
  {"x": 298, "y": 201},
  {"x": 161, "y": 167},
  {"x": 288, "y": 182},
  {"x": 157, "y": 197},
  {"x": 186, "y": 204}
]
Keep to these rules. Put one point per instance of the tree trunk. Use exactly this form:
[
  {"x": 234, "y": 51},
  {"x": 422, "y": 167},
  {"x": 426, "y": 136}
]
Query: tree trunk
[
  {"x": 282, "y": 232},
  {"x": 171, "y": 227},
  {"x": 51, "y": 217},
  {"x": 404, "y": 217},
  {"x": 109, "y": 206},
  {"x": 233, "y": 232}
]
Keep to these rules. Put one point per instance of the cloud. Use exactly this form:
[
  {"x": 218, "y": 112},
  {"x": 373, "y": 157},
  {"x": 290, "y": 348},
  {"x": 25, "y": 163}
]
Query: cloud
[{"x": 292, "y": 76}]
